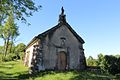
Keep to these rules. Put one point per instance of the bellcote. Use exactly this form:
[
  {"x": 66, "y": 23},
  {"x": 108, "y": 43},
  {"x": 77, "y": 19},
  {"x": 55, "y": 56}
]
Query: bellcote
[{"x": 62, "y": 16}]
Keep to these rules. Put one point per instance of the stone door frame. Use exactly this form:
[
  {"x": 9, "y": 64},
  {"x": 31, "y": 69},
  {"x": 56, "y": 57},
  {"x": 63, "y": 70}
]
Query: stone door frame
[{"x": 65, "y": 50}]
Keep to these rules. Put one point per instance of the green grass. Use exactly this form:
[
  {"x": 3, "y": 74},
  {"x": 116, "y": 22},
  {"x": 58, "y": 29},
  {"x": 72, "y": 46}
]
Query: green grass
[
  {"x": 12, "y": 70},
  {"x": 73, "y": 75},
  {"x": 15, "y": 70}
]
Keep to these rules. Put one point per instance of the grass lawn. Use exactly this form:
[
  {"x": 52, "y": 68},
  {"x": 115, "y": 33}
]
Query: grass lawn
[
  {"x": 12, "y": 70},
  {"x": 15, "y": 70}
]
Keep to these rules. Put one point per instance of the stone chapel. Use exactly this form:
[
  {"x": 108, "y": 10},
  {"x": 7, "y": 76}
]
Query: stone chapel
[{"x": 59, "y": 48}]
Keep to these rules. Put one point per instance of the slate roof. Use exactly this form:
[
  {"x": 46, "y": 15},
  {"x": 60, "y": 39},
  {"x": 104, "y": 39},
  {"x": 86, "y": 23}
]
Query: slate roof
[
  {"x": 56, "y": 27},
  {"x": 42, "y": 35}
]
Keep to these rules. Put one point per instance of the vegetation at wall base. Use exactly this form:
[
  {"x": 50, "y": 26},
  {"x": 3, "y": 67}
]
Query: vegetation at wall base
[{"x": 15, "y": 70}]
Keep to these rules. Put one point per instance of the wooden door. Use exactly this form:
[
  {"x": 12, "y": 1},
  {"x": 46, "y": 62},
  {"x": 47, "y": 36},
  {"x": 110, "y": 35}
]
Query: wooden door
[{"x": 61, "y": 61}]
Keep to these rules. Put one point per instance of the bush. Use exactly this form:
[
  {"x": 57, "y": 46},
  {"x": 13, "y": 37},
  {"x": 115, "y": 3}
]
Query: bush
[
  {"x": 1, "y": 57},
  {"x": 117, "y": 76},
  {"x": 111, "y": 64},
  {"x": 21, "y": 54},
  {"x": 10, "y": 57}
]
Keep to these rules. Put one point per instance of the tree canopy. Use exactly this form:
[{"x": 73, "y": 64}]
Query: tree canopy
[
  {"x": 20, "y": 47},
  {"x": 107, "y": 63},
  {"x": 9, "y": 32},
  {"x": 20, "y": 8}
]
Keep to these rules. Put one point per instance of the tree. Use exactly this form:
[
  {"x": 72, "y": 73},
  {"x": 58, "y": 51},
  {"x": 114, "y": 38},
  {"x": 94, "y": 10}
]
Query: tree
[
  {"x": 20, "y": 47},
  {"x": 111, "y": 64},
  {"x": 91, "y": 61},
  {"x": 117, "y": 56},
  {"x": 11, "y": 47},
  {"x": 14, "y": 34},
  {"x": 1, "y": 49},
  {"x": 9, "y": 32},
  {"x": 18, "y": 7},
  {"x": 19, "y": 50},
  {"x": 100, "y": 59}
]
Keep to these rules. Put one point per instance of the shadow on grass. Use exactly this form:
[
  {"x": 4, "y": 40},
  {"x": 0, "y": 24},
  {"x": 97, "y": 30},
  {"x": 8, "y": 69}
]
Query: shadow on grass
[
  {"x": 8, "y": 76},
  {"x": 79, "y": 75},
  {"x": 7, "y": 66},
  {"x": 23, "y": 75},
  {"x": 85, "y": 75},
  {"x": 45, "y": 73},
  {"x": 4, "y": 76}
]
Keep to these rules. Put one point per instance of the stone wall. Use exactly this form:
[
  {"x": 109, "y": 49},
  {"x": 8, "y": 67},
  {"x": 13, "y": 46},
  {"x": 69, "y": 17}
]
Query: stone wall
[
  {"x": 29, "y": 53},
  {"x": 63, "y": 39},
  {"x": 43, "y": 53}
]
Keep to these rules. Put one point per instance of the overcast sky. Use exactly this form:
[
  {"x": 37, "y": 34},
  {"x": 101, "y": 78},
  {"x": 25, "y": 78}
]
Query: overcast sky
[{"x": 96, "y": 21}]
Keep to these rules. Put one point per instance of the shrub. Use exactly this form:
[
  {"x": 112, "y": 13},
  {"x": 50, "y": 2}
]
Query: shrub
[
  {"x": 111, "y": 64},
  {"x": 1, "y": 57},
  {"x": 117, "y": 76},
  {"x": 21, "y": 55},
  {"x": 10, "y": 57}
]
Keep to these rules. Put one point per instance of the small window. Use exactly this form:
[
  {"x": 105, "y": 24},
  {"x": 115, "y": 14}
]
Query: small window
[{"x": 63, "y": 39}]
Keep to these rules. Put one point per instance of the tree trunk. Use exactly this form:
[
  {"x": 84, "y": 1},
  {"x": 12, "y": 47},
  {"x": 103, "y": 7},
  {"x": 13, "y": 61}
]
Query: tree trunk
[
  {"x": 11, "y": 45},
  {"x": 6, "y": 46}
]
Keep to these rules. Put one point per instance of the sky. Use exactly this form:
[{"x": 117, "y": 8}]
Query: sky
[{"x": 96, "y": 21}]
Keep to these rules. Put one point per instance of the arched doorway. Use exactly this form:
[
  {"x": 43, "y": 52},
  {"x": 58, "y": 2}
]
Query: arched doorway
[{"x": 62, "y": 61}]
